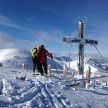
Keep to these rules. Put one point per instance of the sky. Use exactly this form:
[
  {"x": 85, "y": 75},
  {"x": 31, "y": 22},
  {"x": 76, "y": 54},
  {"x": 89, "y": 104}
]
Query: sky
[{"x": 29, "y": 23}]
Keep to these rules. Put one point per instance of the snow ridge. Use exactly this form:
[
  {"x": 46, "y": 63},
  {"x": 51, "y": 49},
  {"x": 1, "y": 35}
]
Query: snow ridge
[{"x": 46, "y": 92}]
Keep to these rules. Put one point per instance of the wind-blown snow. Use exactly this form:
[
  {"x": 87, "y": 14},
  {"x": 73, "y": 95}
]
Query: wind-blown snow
[
  {"x": 74, "y": 65},
  {"x": 11, "y": 53},
  {"x": 42, "y": 92}
]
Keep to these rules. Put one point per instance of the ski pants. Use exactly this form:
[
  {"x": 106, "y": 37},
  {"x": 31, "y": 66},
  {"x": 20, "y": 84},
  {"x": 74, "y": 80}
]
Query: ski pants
[
  {"x": 43, "y": 68},
  {"x": 35, "y": 64}
]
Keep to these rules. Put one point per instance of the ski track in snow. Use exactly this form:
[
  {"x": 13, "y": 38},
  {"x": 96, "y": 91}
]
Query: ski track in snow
[
  {"x": 35, "y": 92},
  {"x": 42, "y": 92}
]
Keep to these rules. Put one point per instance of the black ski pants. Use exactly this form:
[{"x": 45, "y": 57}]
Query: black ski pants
[
  {"x": 43, "y": 68},
  {"x": 35, "y": 64}
]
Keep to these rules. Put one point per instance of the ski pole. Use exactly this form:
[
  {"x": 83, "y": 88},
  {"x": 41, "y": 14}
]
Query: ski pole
[{"x": 55, "y": 66}]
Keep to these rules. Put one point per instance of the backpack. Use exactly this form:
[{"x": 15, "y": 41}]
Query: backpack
[{"x": 34, "y": 53}]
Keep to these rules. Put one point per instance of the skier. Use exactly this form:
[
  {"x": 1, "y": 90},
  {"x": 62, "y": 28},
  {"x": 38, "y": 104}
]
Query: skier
[
  {"x": 42, "y": 60},
  {"x": 35, "y": 54}
]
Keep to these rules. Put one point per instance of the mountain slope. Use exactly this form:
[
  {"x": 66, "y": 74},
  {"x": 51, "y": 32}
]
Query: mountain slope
[{"x": 41, "y": 91}]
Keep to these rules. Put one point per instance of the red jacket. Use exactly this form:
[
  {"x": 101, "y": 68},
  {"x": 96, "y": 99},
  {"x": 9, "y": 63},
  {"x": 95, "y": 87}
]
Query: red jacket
[{"x": 43, "y": 56}]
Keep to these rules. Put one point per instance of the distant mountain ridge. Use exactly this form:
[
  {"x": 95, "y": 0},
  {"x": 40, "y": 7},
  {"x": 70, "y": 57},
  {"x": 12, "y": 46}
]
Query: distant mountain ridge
[
  {"x": 75, "y": 55},
  {"x": 14, "y": 58}
]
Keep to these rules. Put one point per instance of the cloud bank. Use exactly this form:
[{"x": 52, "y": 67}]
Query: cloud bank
[{"x": 4, "y": 21}]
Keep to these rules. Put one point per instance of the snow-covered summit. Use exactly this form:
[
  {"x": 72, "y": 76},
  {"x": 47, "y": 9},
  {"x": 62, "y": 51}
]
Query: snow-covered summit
[
  {"x": 41, "y": 91},
  {"x": 9, "y": 57},
  {"x": 6, "y": 54},
  {"x": 14, "y": 58}
]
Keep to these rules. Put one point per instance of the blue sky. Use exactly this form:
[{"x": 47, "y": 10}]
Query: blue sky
[{"x": 29, "y": 23}]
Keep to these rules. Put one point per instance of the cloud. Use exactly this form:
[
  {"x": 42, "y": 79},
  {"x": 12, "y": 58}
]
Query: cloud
[
  {"x": 23, "y": 44},
  {"x": 53, "y": 40},
  {"x": 30, "y": 19},
  {"x": 48, "y": 38},
  {"x": 6, "y": 41},
  {"x": 53, "y": 36},
  {"x": 4, "y": 21}
]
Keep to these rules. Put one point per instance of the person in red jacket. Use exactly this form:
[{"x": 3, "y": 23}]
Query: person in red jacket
[{"x": 42, "y": 60}]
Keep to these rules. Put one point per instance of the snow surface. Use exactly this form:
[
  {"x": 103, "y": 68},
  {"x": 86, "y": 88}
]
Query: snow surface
[{"x": 46, "y": 92}]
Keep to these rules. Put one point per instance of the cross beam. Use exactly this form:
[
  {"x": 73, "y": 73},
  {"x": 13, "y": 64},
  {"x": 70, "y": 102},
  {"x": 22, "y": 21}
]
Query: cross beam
[
  {"x": 76, "y": 40},
  {"x": 81, "y": 42}
]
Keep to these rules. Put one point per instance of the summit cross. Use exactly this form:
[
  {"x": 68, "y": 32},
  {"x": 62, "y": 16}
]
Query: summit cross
[{"x": 82, "y": 41}]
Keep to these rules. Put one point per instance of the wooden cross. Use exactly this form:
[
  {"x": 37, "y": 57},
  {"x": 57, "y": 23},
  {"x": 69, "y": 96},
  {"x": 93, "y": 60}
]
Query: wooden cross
[{"x": 81, "y": 40}]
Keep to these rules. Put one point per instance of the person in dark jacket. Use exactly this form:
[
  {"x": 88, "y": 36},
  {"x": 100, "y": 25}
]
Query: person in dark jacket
[
  {"x": 42, "y": 60},
  {"x": 35, "y": 54}
]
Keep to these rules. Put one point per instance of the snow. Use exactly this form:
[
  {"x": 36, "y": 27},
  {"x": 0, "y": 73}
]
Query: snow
[{"x": 45, "y": 92}]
